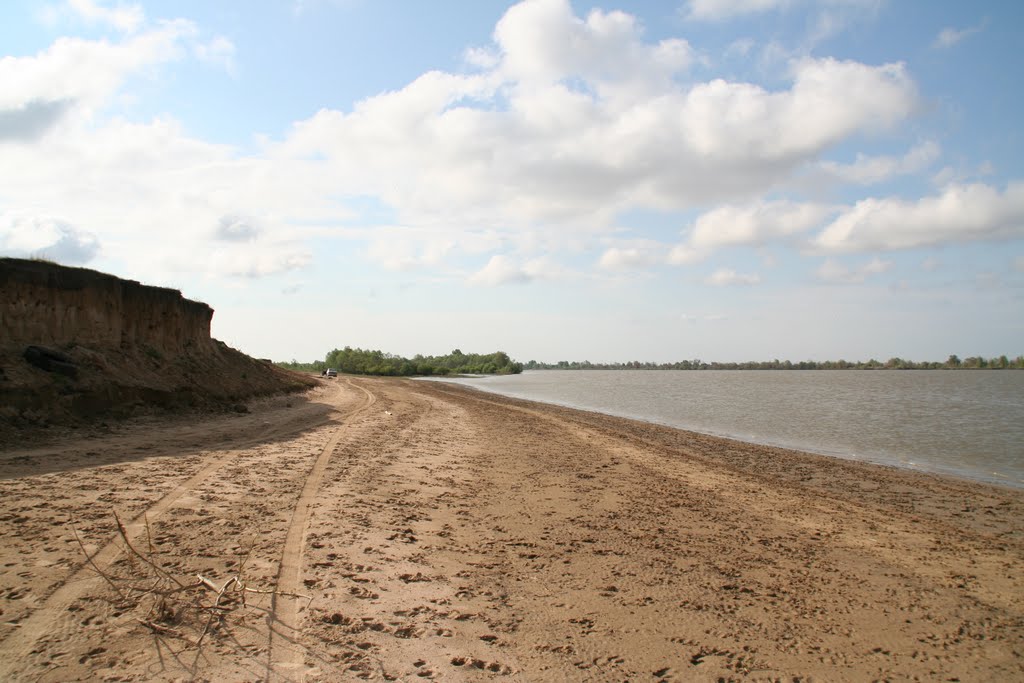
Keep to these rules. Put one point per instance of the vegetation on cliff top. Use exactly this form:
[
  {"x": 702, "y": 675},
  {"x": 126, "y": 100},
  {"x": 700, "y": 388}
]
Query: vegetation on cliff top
[{"x": 367, "y": 362}]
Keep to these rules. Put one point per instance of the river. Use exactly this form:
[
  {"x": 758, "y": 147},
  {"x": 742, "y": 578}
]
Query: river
[{"x": 967, "y": 423}]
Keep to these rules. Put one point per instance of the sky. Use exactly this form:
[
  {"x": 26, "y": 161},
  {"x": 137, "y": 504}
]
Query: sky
[{"x": 726, "y": 180}]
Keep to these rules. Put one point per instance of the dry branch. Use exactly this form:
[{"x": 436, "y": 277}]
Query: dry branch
[{"x": 175, "y": 604}]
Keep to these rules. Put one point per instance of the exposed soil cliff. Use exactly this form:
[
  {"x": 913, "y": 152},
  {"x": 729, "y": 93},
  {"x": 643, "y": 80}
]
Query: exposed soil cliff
[
  {"x": 78, "y": 344},
  {"x": 44, "y": 303}
]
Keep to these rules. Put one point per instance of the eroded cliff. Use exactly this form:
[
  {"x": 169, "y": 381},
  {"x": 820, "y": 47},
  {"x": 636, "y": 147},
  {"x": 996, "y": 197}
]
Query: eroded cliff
[
  {"x": 78, "y": 344},
  {"x": 44, "y": 303}
]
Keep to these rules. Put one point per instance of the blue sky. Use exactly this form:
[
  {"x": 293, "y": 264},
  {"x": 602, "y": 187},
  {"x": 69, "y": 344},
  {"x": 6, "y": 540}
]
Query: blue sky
[{"x": 724, "y": 180}]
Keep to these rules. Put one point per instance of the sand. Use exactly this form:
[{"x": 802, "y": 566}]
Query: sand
[{"x": 399, "y": 530}]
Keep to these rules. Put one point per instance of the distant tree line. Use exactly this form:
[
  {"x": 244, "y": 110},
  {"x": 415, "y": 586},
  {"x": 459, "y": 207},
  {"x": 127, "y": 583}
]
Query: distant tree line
[
  {"x": 367, "y": 362},
  {"x": 953, "y": 362}
]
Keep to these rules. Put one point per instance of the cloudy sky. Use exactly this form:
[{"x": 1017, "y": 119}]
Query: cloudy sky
[{"x": 714, "y": 179}]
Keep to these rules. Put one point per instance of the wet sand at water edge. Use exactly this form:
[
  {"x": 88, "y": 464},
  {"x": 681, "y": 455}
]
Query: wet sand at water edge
[{"x": 386, "y": 529}]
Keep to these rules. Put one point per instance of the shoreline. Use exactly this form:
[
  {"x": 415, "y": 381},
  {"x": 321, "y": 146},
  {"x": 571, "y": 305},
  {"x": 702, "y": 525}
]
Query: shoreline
[
  {"x": 449, "y": 534},
  {"x": 881, "y": 459},
  {"x": 737, "y": 443}
]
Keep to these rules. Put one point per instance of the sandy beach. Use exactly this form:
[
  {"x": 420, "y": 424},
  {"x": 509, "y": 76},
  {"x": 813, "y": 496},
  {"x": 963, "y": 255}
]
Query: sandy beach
[{"x": 397, "y": 530}]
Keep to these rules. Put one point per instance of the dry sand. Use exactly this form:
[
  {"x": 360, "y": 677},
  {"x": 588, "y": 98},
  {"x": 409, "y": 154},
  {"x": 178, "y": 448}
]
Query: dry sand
[{"x": 434, "y": 532}]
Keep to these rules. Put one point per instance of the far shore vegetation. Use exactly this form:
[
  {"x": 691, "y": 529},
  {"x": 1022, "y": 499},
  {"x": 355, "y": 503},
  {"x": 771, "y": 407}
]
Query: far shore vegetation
[
  {"x": 366, "y": 362},
  {"x": 952, "y": 363}
]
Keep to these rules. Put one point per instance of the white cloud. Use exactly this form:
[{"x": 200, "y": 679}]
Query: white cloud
[
  {"x": 406, "y": 248},
  {"x": 86, "y": 71},
  {"x": 252, "y": 261},
  {"x": 631, "y": 257},
  {"x": 481, "y": 57},
  {"x": 829, "y": 101},
  {"x": 683, "y": 255},
  {"x": 834, "y": 271},
  {"x": 31, "y": 120},
  {"x": 508, "y": 147},
  {"x": 234, "y": 228},
  {"x": 949, "y": 175},
  {"x": 949, "y": 36},
  {"x": 501, "y": 269},
  {"x": 757, "y": 223},
  {"x": 27, "y": 236},
  {"x": 219, "y": 51},
  {"x": 615, "y": 258},
  {"x": 868, "y": 170},
  {"x": 542, "y": 42},
  {"x": 961, "y": 213},
  {"x": 718, "y": 10},
  {"x": 229, "y": 215},
  {"x": 740, "y": 47},
  {"x": 1018, "y": 264},
  {"x": 122, "y": 17},
  {"x": 565, "y": 123},
  {"x": 725, "y": 277},
  {"x": 403, "y": 254}
]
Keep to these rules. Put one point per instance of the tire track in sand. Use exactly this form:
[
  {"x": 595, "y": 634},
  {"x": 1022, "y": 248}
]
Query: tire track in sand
[
  {"x": 51, "y": 614},
  {"x": 285, "y": 650}
]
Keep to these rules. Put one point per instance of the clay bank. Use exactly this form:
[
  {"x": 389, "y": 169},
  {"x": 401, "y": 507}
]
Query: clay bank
[{"x": 79, "y": 344}]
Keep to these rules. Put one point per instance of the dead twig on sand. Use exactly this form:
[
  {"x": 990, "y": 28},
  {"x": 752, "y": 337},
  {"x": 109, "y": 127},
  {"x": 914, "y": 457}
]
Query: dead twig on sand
[{"x": 174, "y": 605}]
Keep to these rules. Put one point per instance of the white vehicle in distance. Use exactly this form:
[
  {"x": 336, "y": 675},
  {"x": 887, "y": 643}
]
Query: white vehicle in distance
[{"x": 329, "y": 372}]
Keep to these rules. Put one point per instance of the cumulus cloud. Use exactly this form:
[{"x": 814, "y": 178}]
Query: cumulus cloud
[
  {"x": 571, "y": 136},
  {"x": 961, "y": 213},
  {"x": 501, "y": 269},
  {"x": 630, "y": 257},
  {"x": 233, "y": 228},
  {"x": 86, "y": 71},
  {"x": 836, "y": 272},
  {"x": 135, "y": 180},
  {"x": 254, "y": 261},
  {"x": 543, "y": 42},
  {"x": 745, "y": 129},
  {"x": 726, "y": 277},
  {"x": 683, "y": 255},
  {"x": 757, "y": 223},
  {"x": 868, "y": 170},
  {"x": 561, "y": 124},
  {"x": 26, "y": 236},
  {"x": 31, "y": 120}
]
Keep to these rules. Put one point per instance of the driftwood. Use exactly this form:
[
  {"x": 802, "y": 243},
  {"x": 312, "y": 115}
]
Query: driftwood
[{"x": 175, "y": 606}]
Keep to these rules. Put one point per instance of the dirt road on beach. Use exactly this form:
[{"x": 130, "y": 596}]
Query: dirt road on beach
[{"x": 386, "y": 529}]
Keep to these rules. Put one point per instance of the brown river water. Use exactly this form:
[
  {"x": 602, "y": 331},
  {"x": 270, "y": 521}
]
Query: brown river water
[{"x": 967, "y": 423}]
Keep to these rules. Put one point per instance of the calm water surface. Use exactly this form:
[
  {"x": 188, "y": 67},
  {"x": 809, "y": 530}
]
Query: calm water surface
[{"x": 968, "y": 423}]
